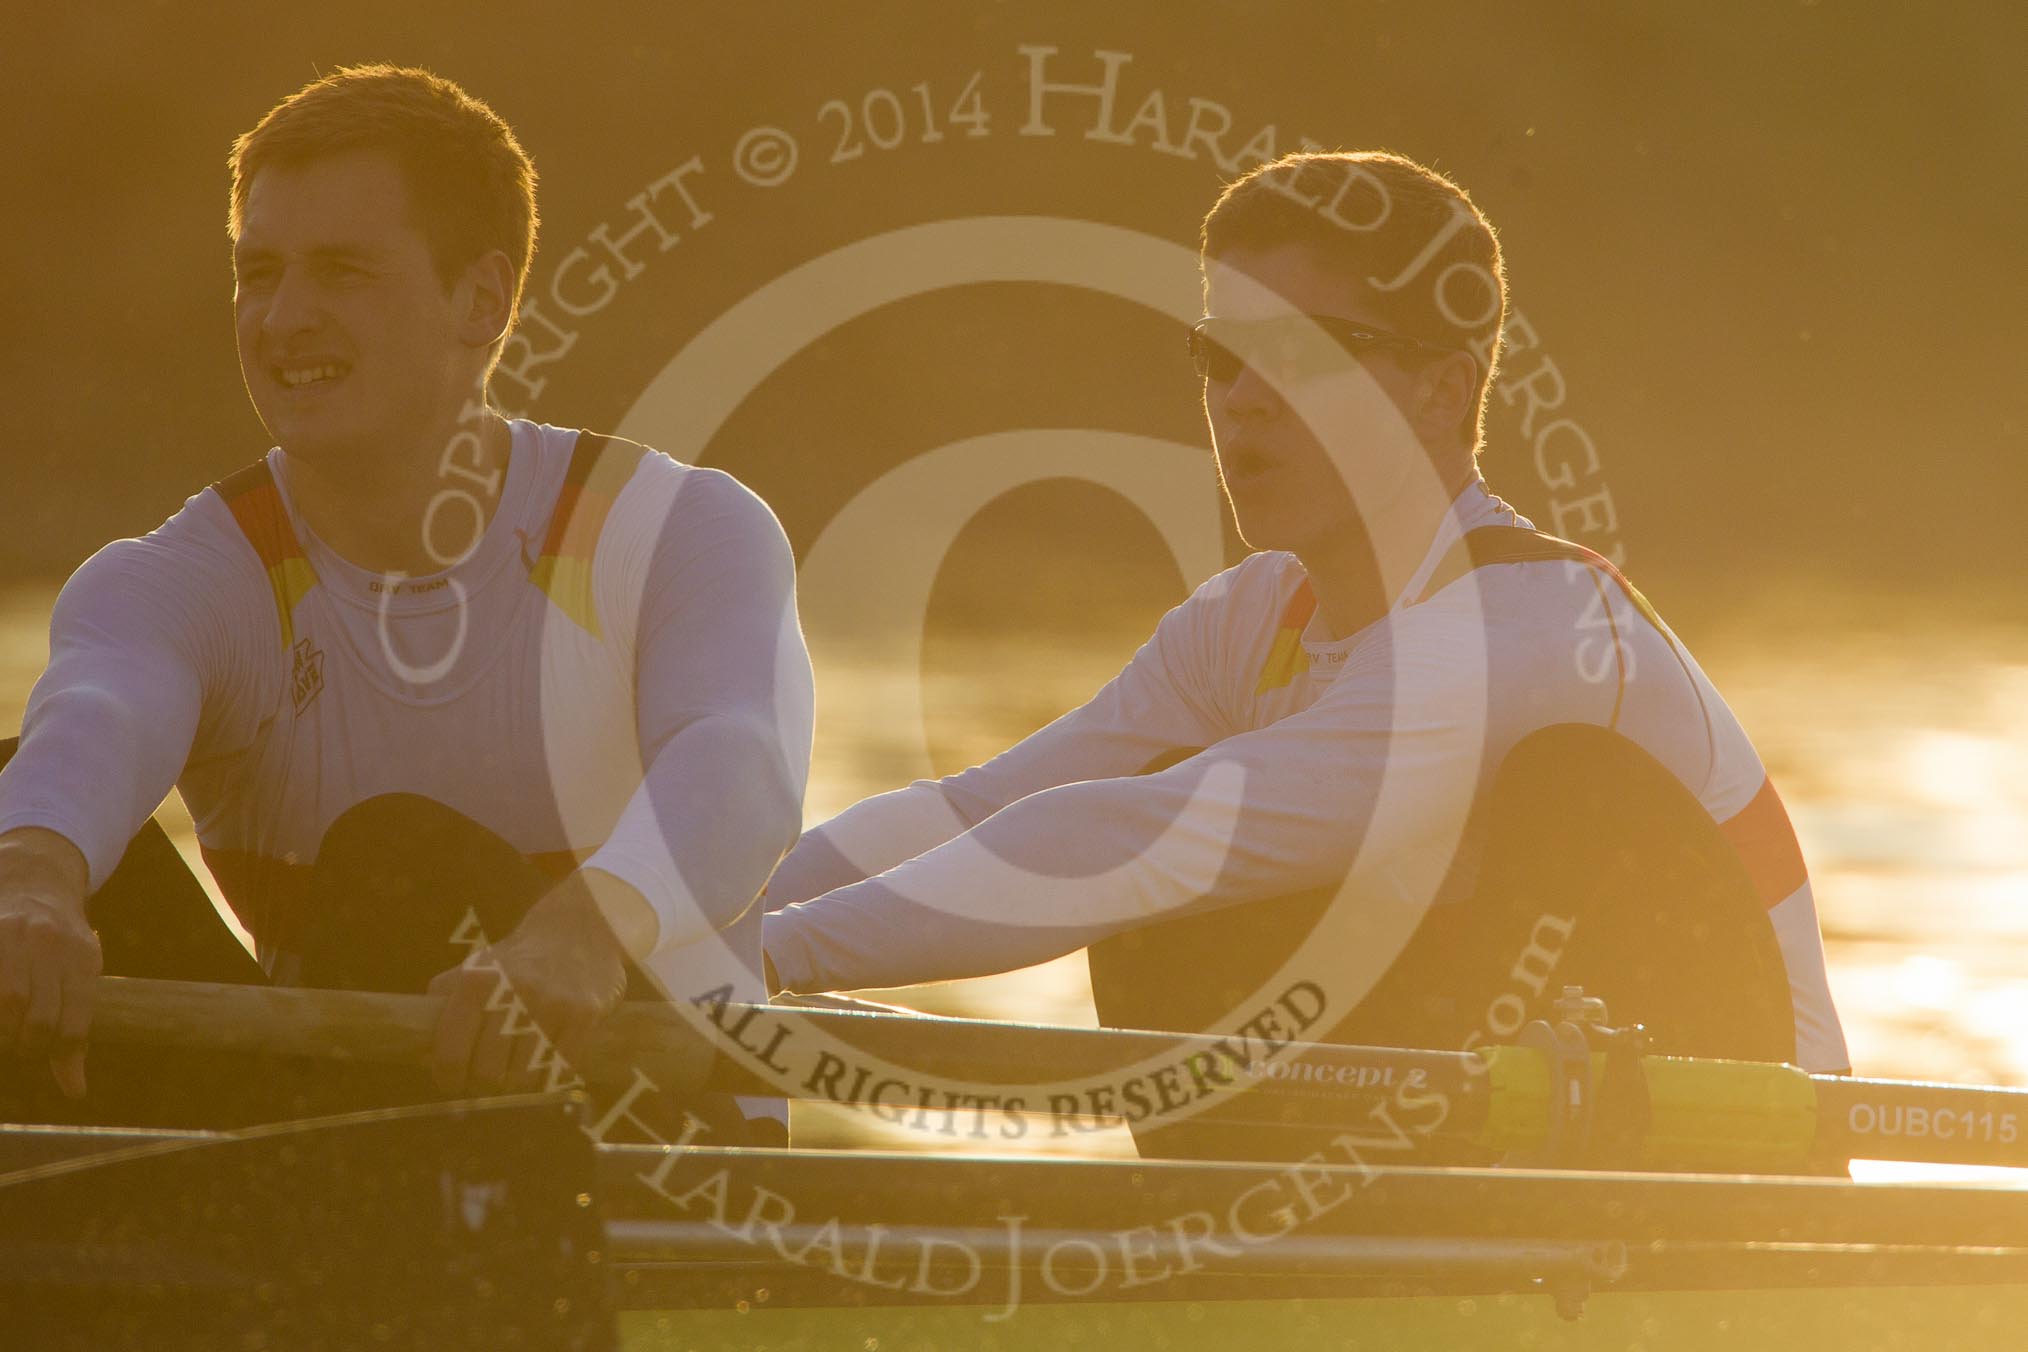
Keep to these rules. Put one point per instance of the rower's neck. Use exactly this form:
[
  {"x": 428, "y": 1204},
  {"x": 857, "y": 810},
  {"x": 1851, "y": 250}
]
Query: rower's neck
[
  {"x": 376, "y": 513},
  {"x": 1347, "y": 585},
  {"x": 1355, "y": 575}
]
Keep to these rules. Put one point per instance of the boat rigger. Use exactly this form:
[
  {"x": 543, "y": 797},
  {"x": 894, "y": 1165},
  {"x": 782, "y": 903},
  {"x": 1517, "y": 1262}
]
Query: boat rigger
[{"x": 500, "y": 1224}]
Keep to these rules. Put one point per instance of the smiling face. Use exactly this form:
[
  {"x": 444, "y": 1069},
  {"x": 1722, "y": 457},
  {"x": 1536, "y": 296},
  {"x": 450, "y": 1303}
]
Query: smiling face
[
  {"x": 1291, "y": 443},
  {"x": 350, "y": 343}
]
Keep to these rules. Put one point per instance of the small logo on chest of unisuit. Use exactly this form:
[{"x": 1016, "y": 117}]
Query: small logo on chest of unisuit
[
  {"x": 404, "y": 587},
  {"x": 306, "y": 681}
]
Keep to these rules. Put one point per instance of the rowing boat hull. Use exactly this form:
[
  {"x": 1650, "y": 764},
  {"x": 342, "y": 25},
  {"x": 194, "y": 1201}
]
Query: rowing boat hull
[
  {"x": 1790, "y": 1319},
  {"x": 501, "y": 1225},
  {"x": 734, "y": 1250}
]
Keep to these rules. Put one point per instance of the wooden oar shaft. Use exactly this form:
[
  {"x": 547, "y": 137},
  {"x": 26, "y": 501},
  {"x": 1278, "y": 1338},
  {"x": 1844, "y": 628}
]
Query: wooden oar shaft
[
  {"x": 680, "y": 1051},
  {"x": 359, "y": 1026}
]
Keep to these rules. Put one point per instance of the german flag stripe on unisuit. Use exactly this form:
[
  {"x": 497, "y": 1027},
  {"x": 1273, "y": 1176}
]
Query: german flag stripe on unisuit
[
  {"x": 599, "y": 468},
  {"x": 1510, "y": 544},
  {"x": 256, "y": 504},
  {"x": 1286, "y": 659},
  {"x": 1766, "y": 843}
]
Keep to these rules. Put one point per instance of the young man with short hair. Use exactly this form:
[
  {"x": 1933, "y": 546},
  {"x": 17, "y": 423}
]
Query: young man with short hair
[
  {"x": 429, "y": 679},
  {"x": 1353, "y": 694}
]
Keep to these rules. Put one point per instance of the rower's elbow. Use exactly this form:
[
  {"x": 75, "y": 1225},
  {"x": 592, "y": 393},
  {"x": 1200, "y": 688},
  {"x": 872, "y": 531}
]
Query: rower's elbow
[
  {"x": 85, "y": 703},
  {"x": 772, "y": 770}
]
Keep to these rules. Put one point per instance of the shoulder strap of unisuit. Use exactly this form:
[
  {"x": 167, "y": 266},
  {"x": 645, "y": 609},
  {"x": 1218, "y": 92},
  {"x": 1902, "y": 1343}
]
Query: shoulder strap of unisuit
[
  {"x": 1513, "y": 544},
  {"x": 599, "y": 468},
  {"x": 256, "y": 505},
  {"x": 1479, "y": 548}
]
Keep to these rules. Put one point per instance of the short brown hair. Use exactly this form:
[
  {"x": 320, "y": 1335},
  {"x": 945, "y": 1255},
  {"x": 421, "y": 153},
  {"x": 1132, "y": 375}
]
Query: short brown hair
[
  {"x": 471, "y": 184},
  {"x": 1376, "y": 212}
]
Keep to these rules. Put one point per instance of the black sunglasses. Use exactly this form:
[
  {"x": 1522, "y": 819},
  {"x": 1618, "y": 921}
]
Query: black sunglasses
[{"x": 1286, "y": 346}]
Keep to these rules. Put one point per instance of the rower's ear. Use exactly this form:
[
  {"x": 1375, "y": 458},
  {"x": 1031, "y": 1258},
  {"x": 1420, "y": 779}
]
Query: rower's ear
[
  {"x": 1446, "y": 392},
  {"x": 1446, "y": 395},
  {"x": 483, "y": 298}
]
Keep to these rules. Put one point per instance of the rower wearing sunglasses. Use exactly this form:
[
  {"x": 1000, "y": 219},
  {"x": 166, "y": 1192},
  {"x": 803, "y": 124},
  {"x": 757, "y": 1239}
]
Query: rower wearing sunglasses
[{"x": 1303, "y": 789}]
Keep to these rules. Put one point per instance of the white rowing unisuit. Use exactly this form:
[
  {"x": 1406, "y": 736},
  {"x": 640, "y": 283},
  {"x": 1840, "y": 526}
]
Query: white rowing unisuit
[
  {"x": 614, "y": 677},
  {"x": 1351, "y": 760}
]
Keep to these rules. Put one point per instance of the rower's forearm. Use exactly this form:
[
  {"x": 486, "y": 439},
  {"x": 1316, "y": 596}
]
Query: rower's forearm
[
  {"x": 869, "y": 837},
  {"x": 623, "y": 910},
  {"x": 111, "y": 721},
  {"x": 35, "y": 857},
  {"x": 712, "y": 816},
  {"x": 1057, "y": 871},
  {"x": 93, "y": 765},
  {"x": 869, "y": 937}
]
